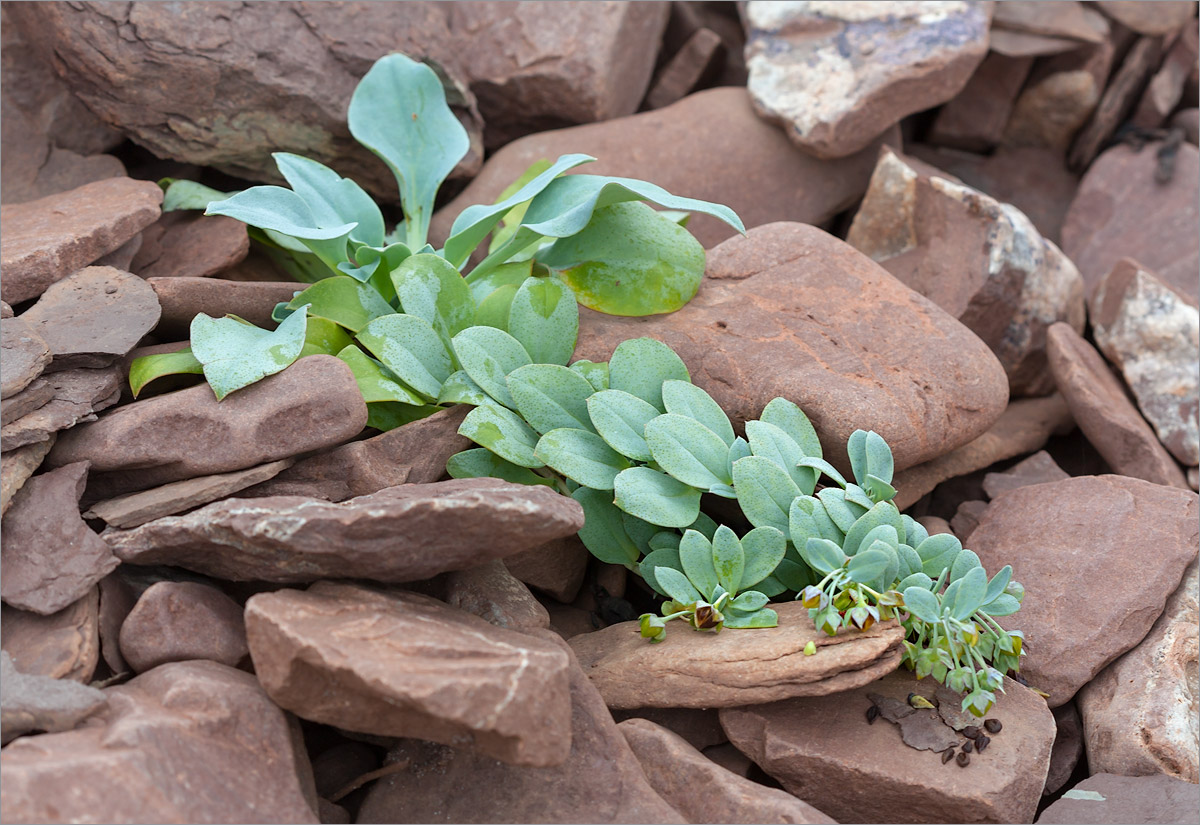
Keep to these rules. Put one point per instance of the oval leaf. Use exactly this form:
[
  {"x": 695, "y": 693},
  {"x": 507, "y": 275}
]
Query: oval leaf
[
  {"x": 430, "y": 288},
  {"x": 685, "y": 398},
  {"x": 344, "y": 301},
  {"x": 375, "y": 382},
  {"x": 620, "y": 419},
  {"x": 488, "y": 355},
  {"x": 764, "y": 548},
  {"x": 922, "y": 604},
  {"x": 639, "y": 366},
  {"x": 545, "y": 319},
  {"x": 765, "y": 492},
  {"x": 696, "y": 556},
  {"x": 822, "y": 555},
  {"x": 504, "y": 433},
  {"x": 656, "y": 497},
  {"x": 688, "y": 451},
  {"x": 729, "y": 559},
  {"x": 483, "y": 463},
  {"x": 677, "y": 585},
  {"x": 581, "y": 456},
  {"x": 603, "y": 532},
  {"x": 550, "y": 397},
  {"x": 411, "y": 348},
  {"x": 771, "y": 442},
  {"x": 236, "y": 354}
]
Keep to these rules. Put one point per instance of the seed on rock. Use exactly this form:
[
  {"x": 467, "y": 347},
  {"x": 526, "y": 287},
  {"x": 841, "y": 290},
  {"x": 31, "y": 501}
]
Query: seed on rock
[
  {"x": 947, "y": 755},
  {"x": 993, "y": 725},
  {"x": 963, "y": 760},
  {"x": 982, "y": 742},
  {"x": 971, "y": 731},
  {"x": 872, "y": 714},
  {"x": 968, "y": 746}
]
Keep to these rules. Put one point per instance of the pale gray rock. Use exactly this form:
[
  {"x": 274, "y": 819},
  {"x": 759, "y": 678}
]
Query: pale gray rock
[{"x": 39, "y": 703}]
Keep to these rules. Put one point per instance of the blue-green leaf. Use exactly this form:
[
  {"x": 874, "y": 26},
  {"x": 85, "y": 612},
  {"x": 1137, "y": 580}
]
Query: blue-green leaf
[
  {"x": 334, "y": 200},
  {"x": 375, "y": 382},
  {"x": 823, "y": 466},
  {"x": 920, "y": 602},
  {"x": 545, "y": 319},
  {"x": 822, "y": 555},
  {"x": 280, "y": 210},
  {"x": 685, "y": 398},
  {"x": 550, "y": 397},
  {"x": 460, "y": 389},
  {"x": 494, "y": 310},
  {"x": 938, "y": 553},
  {"x": 662, "y": 557},
  {"x": 488, "y": 355},
  {"x": 344, "y": 301},
  {"x": 187, "y": 194},
  {"x": 483, "y": 463},
  {"x": 844, "y": 513},
  {"x": 749, "y": 602},
  {"x": 412, "y": 349},
  {"x": 677, "y": 585},
  {"x": 656, "y": 497},
  {"x": 639, "y": 366},
  {"x": 696, "y": 556},
  {"x": 504, "y": 433},
  {"x": 236, "y": 354},
  {"x": 870, "y": 564},
  {"x": 581, "y": 456},
  {"x": 791, "y": 419},
  {"x": 998, "y": 583},
  {"x": 765, "y": 492},
  {"x": 620, "y": 418},
  {"x": 603, "y": 532},
  {"x": 430, "y": 288},
  {"x": 969, "y": 595},
  {"x": 688, "y": 451},
  {"x": 596, "y": 372},
  {"x": 882, "y": 514},
  {"x": 771, "y": 442},
  {"x": 510, "y": 274},
  {"x": 729, "y": 559},
  {"x": 766, "y": 617}
]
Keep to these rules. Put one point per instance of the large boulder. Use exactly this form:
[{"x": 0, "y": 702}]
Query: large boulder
[{"x": 1107, "y": 799}]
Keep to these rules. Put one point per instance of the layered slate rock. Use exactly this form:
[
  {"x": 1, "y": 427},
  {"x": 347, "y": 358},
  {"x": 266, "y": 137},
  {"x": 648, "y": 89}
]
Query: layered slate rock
[
  {"x": 186, "y": 742},
  {"x": 1159, "y": 17},
  {"x": 1140, "y": 713},
  {"x": 50, "y": 558},
  {"x": 39, "y": 703},
  {"x": 975, "y": 119},
  {"x": 18, "y": 465},
  {"x": 1120, "y": 96},
  {"x": 1098, "y": 556},
  {"x": 406, "y": 665},
  {"x": 601, "y": 780},
  {"x": 836, "y": 75},
  {"x": 791, "y": 311},
  {"x": 190, "y": 245},
  {"x": 1106, "y": 799},
  {"x": 1104, "y": 413},
  {"x": 555, "y": 568},
  {"x": 823, "y": 751},
  {"x": 25, "y": 355},
  {"x": 63, "y": 645},
  {"x": 399, "y": 534},
  {"x": 1039, "y": 468},
  {"x": 182, "y": 297},
  {"x": 77, "y": 396},
  {"x": 731, "y": 668},
  {"x": 704, "y": 791},
  {"x": 48, "y": 239},
  {"x": 312, "y": 404},
  {"x": 37, "y": 394},
  {"x": 495, "y": 595},
  {"x": 178, "y": 621},
  {"x": 980, "y": 260}
]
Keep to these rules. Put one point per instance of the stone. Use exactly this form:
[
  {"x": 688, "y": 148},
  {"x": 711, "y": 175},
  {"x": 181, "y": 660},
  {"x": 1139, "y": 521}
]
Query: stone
[
  {"x": 313, "y": 403},
  {"x": 1022, "y": 44},
  {"x": 48, "y": 239},
  {"x": 707, "y": 670},
  {"x": 1166, "y": 87},
  {"x": 401, "y": 534},
  {"x": 569, "y": 621},
  {"x": 710, "y": 145},
  {"x": 5, "y": 310},
  {"x": 1154, "y": 17},
  {"x": 1039, "y": 468},
  {"x": 117, "y": 598},
  {"x": 135, "y": 509},
  {"x": 699, "y": 727},
  {"x": 702, "y": 790},
  {"x": 337, "y": 767},
  {"x": 1054, "y": 20},
  {"x": 1189, "y": 121},
  {"x": 186, "y": 742},
  {"x": 1098, "y": 556},
  {"x": 1120, "y": 96},
  {"x": 1152, "y": 335},
  {"x": 60, "y": 171},
  {"x": 1105, "y": 415},
  {"x": 822, "y": 750},
  {"x": 1141, "y": 714},
  {"x": 685, "y": 69},
  {"x": 555, "y": 568},
  {"x": 37, "y": 394},
  {"x": 966, "y": 518},
  {"x": 39, "y": 703},
  {"x": 1193, "y": 477},
  {"x": 406, "y": 665},
  {"x": 178, "y": 621},
  {"x": 835, "y": 75},
  {"x": 78, "y": 396},
  {"x": 93, "y": 317},
  {"x": 601, "y": 780},
  {"x": 190, "y": 245},
  {"x": 1068, "y": 747},
  {"x": 413, "y": 454},
  {"x": 688, "y": 17},
  {"x": 122, "y": 257},
  {"x": 183, "y": 297},
  {"x": 975, "y": 119},
  {"x": 935, "y": 524},
  {"x": 1121, "y": 210},
  {"x": 791, "y": 311},
  {"x": 50, "y": 558},
  {"x": 1105, "y": 799},
  {"x": 492, "y": 593},
  {"x": 731, "y": 759},
  {"x": 25, "y": 355},
  {"x": 980, "y": 260},
  {"x": 18, "y": 465},
  {"x": 63, "y": 645}
]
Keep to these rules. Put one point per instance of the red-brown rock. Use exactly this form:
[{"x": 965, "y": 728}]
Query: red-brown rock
[
  {"x": 494, "y": 594},
  {"x": 190, "y": 245},
  {"x": 183, "y": 297},
  {"x": 1106, "y": 799},
  {"x": 18, "y": 465},
  {"x": 1068, "y": 747},
  {"x": 25, "y": 355},
  {"x": 78, "y": 396},
  {"x": 555, "y": 568},
  {"x": 975, "y": 119},
  {"x": 1119, "y": 97},
  {"x": 178, "y": 621},
  {"x": 37, "y": 394},
  {"x": 39, "y": 703},
  {"x": 63, "y": 645},
  {"x": 1153, "y": 17},
  {"x": 1039, "y": 468}
]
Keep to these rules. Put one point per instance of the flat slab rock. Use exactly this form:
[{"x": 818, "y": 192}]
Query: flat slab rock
[
  {"x": 183, "y": 296},
  {"x": 403, "y": 664},
  {"x": 186, "y": 742},
  {"x": 1039, "y": 468},
  {"x": 77, "y": 396},
  {"x": 495, "y": 595},
  {"x": 191, "y": 245},
  {"x": 822, "y": 750},
  {"x": 63, "y": 645},
  {"x": 18, "y": 465},
  {"x": 400, "y": 534},
  {"x": 1106, "y": 799},
  {"x": 1098, "y": 556},
  {"x": 39, "y": 703},
  {"x": 792, "y": 311},
  {"x": 734, "y": 667},
  {"x": 25, "y": 354},
  {"x": 37, "y": 394}
]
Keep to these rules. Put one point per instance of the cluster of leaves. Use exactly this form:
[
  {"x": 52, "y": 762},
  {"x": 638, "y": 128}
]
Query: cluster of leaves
[{"x": 392, "y": 306}]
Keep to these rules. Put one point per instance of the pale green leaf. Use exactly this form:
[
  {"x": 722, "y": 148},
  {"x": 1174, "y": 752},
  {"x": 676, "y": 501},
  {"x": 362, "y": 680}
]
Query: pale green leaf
[
  {"x": 765, "y": 492},
  {"x": 375, "y": 381},
  {"x": 550, "y": 397},
  {"x": 603, "y": 533},
  {"x": 685, "y": 398},
  {"x": 488, "y": 355},
  {"x": 430, "y": 288},
  {"x": 696, "y": 556},
  {"x": 412, "y": 349},
  {"x": 544, "y": 317},
  {"x": 147, "y": 368},
  {"x": 334, "y": 200},
  {"x": 688, "y": 451},
  {"x": 504, "y": 433},
  {"x": 764, "y": 548},
  {"x": 639, "y": 366},
  {"x": 236, "y": 354},
  {"x": 620, "y": 418},
  {"x": 729, "y": 560},
  {"x": 581, "y": 456},
  {"x": 344, "y": 301},
  {"x": 656, "y": 497},
  {"x": 483, "y": 463}
]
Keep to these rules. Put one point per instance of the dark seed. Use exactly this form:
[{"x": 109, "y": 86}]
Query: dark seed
[
  {"x": 963, "y": 760},
  {"x": 872, "y": 714},
  {"x": 947, "y": 755},
  {"x": 971, "y": 731},
  {"x": 982, "y": 742},
  {"x": 968, "y": 746},
  {"x": 993, "y": 725}
]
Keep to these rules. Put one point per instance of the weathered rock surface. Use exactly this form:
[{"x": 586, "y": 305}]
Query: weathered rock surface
[
  {"x": 400, "y": 534},
  {"x": 1104, "y": 413},
  {"x": 1121, "y": 210},
  {"x": 50, "y": 558},
  {"x": 1068, "y": 747},
  {"x": 556, "y": 568},
  {"x": 600, "y": 782},
  {"x": 178, "y": 621},
  {"x": 187, "y": 742},
  {"x": 699, "y": 727},
  {"x": 93, "y": 317},
  {"x": 1141, "y": 714},
  {"x": 836, "y": 75},
  {"x": 706, "y": 670},
  {"x": 117, "y": 598},
  {"x": 78, "y": 396},
  {"x": 313, "y": 403},
  {"x": 48, "y": 239},
  {"x": 980, "y": 260},
  {"x": 791, "y": 311},
  {"x": 966, "y": 518},
  {"x": 190, "y": 245},
  {"x": 494, "y": 594},
  {"x": 710, "y": 145},
  {"x": 37, "y": 394},
  {"x": 182, "y": 297},
  {"x": 18, "y": 465},
  {"x": 1132, "y": 538},
  {"x": 822, "y": 750},
  {"x": 1156, "y": 17},
  {"x": 25, "y": 354},
  {"x": 1166, "y": 87},
  {"x": 698, "y": 57},
  {"x": 39, "y": 703},
  {"x": 975, "y": 119},
  {"x": 1153, "y": 336},
  {"x": 1039, "y": 468},
  {"x": 702, "y": 790},
  {"x": 1066, "y": 19},
  {"x": 1105, "y": 799},
  {"x": 406, "y": 665},
  {"x": 63, "y": 645},
  {"x": 1189, "y": 121}
]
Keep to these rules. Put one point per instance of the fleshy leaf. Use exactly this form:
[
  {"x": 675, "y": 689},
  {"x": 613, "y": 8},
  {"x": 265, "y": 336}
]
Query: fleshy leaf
[
  {"x": 581, "y": 456},
  {"x": 236, "y": 354},
  {"x": 412, "y": 349},
  {"x": 187, "y": 194},
  {"x": 765, "y": 492},
  {"x": 696, "y": 556},
  {"x": 334, "y": 200},
  {"x": 344, "y": 301},
  {"x": 664, "y": 557},
  {"x": 603, "y": 532},
  {"x": 729, "y": 559},
  {"x": 488, "y": 355},
  {"x": 149, "y": 367},
  {"x": 688, "y": 451},
  {"x": 483, "y": 463},
  {"x": 504, "y": 433},
  {"x": 685, "y": 398},
  {"x": 656, "y": 497},
  {"x": 545, "y": 319},
  {"x": 764, "y": 548},
  {"x": 550, "y": 396},
  {"x": 822, "y": 555},
  {"x": 922, "y": 604},
  {"x": 620, "y": 418},
  {"x": 766, "y": 617},
  {"x": 430, "y": 288},
  {"x": 769, "y": 441},
  {"x": 677, "y": 585},
  {"x": 639, "y": 366},
  {"x": 596, "y": 373},
  {"x": 460, "y": 389}
]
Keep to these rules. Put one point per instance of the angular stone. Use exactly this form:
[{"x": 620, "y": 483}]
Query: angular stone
[
  {"x": 1105, "y": 799},
  {"x": 25, "y": 354},
  {"x": 975, "y": 119},
  {"x": 117, "y": 598},
  {"x": 492, "y": 593},
  {"x": 37, "y": 394},
  {"x": 94, "y": 316},
  {"x": 710, "y": 145},
  {"x": 699, "y": 727},
  {"x": 791, "y": 311},
  {"x": 1105, "y": 415},
  {"x": 50, "y": 558},
  {"x": 1154, "y": 17},
  {"x": 406, "y": 665},
  {"x": 1166, "y": 87},
  {"x": 413, "y": 454},
  {"x": 1039, "y": 468},
  {"x": 600, "y": 782},
  {"x": 935, "y": 524},
  {"x": 187, "y": 742},
  {"x": 836, "y": 75},
  {"x": 731, "y": 759},
  {"x": 1140, "y": 714},
  {"x": 569, "y": 621},
  {"x": 822, "y": 750},
  {"x": 63, "y": 645},
  {"x": 78, "y": 396},
  {"x": 178, "y": 621},
  {"x": 1119, "y": 97},
  {"x": 400, "y": 534},
  {"x": 183, "y": 297},
  {"x": 18, "y": 465},
  {"x": 1068, "y": 747},
  {"x": 60, "y": 170},
  {"x": 1189, "y": 121},
  {"x": 1022, "y": 44},
  {"x": 734, "y": 667},
  {"x": 1098, "y": 556},
  {"x": 190, "y": 244},
  {"x": 48, "y": 239},
  {"x": 966, "y": 518},
  {"x": 1052, "y": 20},
  {"x": 702, "y": 790},
  {"x": 685, "y": 69},
  {"x": 1153, "y": 336},
  {"x": 39, "y": 703},
  {"x": 556, "y": 568},
  {"x": 313, "y": 403}
]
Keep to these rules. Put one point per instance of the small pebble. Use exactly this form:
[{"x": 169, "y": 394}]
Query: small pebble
[
  {"x": 993, "y": 725},
  {"x": 968, "y": 746},
  {"x": 963, "y": 760},
  {"x": 872, "y": 714},
  {"x": 947, "y": 755},
  {"x": 971, "y": 731},
  {"x": 982, "y": 742}
]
